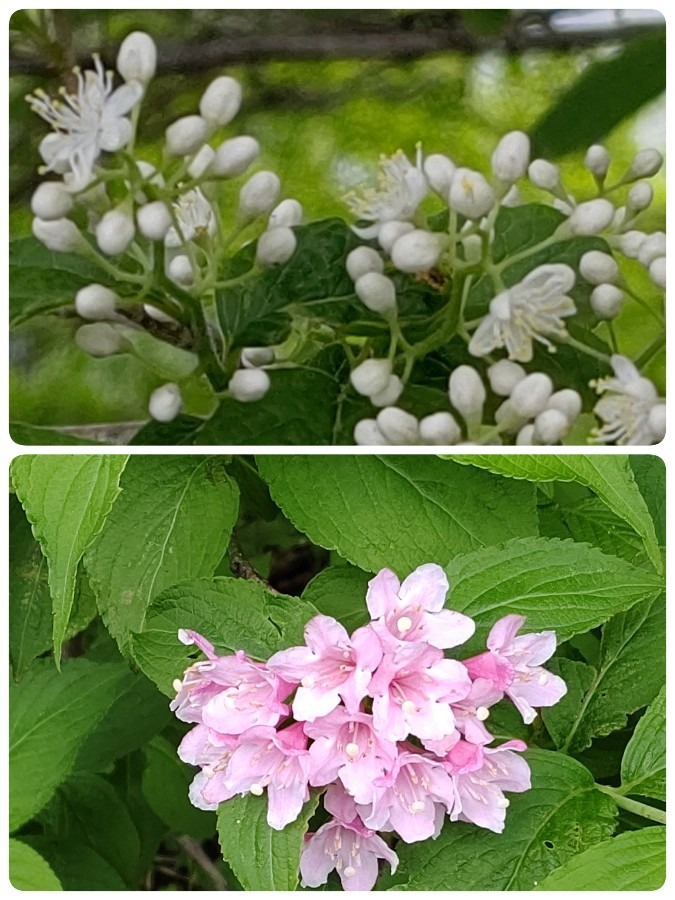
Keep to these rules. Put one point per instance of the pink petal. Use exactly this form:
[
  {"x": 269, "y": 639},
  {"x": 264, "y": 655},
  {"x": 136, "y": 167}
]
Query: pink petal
[
  {"x": 427, "y": 587},
  {"x": 382, "y": 593},
  {"x": 368, "y": 648},
  {"x": 315, "y": 862},
  {"x": 504, "y": 631},
  {"x": 365, "y": 872},
  {"x": 447, "y": 628},
  {"x": 284, "y": 804},
  {"x": 339, "y": 803},
  {"x": 291, "y": 664},
  {"x": 540, "y": 647},
  {"x": 313, "y": 703},
  {"x": 323, "y": 634},
  {"x": 493, "y": 668}
]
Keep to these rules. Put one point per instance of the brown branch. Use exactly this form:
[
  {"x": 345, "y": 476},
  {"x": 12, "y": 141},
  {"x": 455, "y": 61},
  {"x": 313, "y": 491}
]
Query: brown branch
[{"x": 194, "y": 849}]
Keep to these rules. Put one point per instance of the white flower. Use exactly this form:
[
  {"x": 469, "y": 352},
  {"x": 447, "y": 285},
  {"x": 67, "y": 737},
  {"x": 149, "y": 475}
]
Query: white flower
[
  {"x": 629, "y": 407},
  {"x": 470, "y": 194},
  {"x": 137, "y": 57},
  {"x": 401, "y": 187},
  {"x": 85, "y": 123},
  {"x": 528, "y": 311},
  {"x": 195, "y": 217}
]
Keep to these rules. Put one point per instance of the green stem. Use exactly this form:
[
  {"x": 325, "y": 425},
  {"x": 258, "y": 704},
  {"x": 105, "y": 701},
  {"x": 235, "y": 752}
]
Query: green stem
[
  {"x": 643, "y": 303},
  {"x": 634, "y": 806},
  {"x": 612, "y": 337},
  {"x": 589, "y": 351},
  {"x": 657, "y": 344},
  {"x": 530, "y": 251}
]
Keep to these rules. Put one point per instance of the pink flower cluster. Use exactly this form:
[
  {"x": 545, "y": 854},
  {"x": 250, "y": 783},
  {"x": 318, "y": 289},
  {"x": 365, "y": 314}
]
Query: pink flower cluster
[{"x": 393, "y": 728}]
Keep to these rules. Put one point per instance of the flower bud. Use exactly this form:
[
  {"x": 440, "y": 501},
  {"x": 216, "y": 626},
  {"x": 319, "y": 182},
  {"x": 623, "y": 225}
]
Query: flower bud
[
  {"x": 544, "y": 175},
  {"x": 653, "y": 246},
  {"x": 137, "y": 57},
  {"x": 511, "y": 157},
  {"x": 51, "y": 201},
  {"x": 607, "y": 301},
  {"x": 512, "y": 197},
  {"x": 504, "y": 376},
  {"x": 235, "y": 156},
  {"x": 59, "y": 235},
  {"x": 591, "y": 217},
  {"x": 470, "y": 194},
  {"x": 645, "y": 164},
  {"x": 467, "y": 393},
  {"x": 186, "y": 135},
  {"x": 363, "y": 260},
  {"x": 439, "y": 429},
  {"x": 507, "y": 418},
  {"x": 397, "y": 426},
  {"x": 377, "y": 292},
  {"x": 598, "y": 268},
  {"x": 115, "y": 231},
  {"x": 180, "y": 271},
  {"x": 201, "y": 161},
  {"x": 390, "y": 232},
  {"x": 95, "y": 302},
  {"x": 389, "y": 394},
  {"x": 568, "y": 402},
  {"x": 371, "y": 376},
  {"x": 154, "y": 220},
  {"x": 158, "y": 315},
  {"x": 473, "y": 248},
  {"x": 531, "y": 395},
  {"x": 550, "y": 426},
  {"x": 597, "y": 160},
  {"x": 275, "y": 246},
  {"x": 287, "y": 214},
  {"x": 525, "y": 437},
  {"x": 249, "y": 385},
  {"x": 98, "y": 339},
  {"x": 657, "y": 422},
  {"x": 630, "y": 242},
  {"x": 657, "y": 272},
  {"x": 417, "y": 251},
  {"x": 439, "y": 170},
  {"x": 367, "y": 434},
  {"x": 221, "y": 100},
  {"x": 254, "y": 357},
  {"x": 259, "y": 195},
  {"x": 640, "y": 196},
  {"x": 165, "y": 403}
]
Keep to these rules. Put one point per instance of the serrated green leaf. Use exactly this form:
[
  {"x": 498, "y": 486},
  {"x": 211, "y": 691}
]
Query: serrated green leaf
[
  {"x": 340, "y": 592},
  {"x": 558, "y": 818},
  {"x": 650, "y": 475},
  {"x": 633, "y": 861},
  {"x": 262, "y": 858},
  {"x": 28, "y": 871},
  {"x": 592, "y": 522},
  {"x": 76, "y": 865},
  {"x": 560, "y": 718},
  {"x": 66, "y": 499},
  {"x": 643, "y": 768},
  {"x": 173, "y": 521}
]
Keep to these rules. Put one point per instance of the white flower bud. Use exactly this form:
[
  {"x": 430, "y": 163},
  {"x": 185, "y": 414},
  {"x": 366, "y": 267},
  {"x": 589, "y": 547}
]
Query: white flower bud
[
  {"x": 470, "y": 194},
  {"x": 254, "y": 357},
  {"x": 201, "y": 161},
  {"x": 467, "y": 393},
  {"x": 597, "y": 160},
  {"x": 154, "y": 220},
  {"x": 51, "y": 201},
  {"x": 115, "y": 231},
  {"x": 249, "y": 385},
  {"x": 371, "y": 377},
  {"x": 287, "y": 214},
  {"x": 544, "y": 174},
  {"x": 591, "y": 217},
  {"x": 473, "y": 248},
  {"x": 598, "y": 268},
  {"x": 377, "y": 292},
  {"x": 95, "y": 302},
  {"x": 397, "y": 426},
  {"x": 504, "y": 376},
  {"x": 180, "y": 271},
  {"x": 657, "y": 422},
  {"x": 550, "y": 426},
  {"x": 568, "y": 402},
  {"x": 221, "y": 100},
  {"x": 363, "y": 260},
  {"x": 439, "y": 429},
  {"x": 158, "y": 315},
  {"x": 512, "y": 197},
  {"x": 186, "y": 135},
  {"x": 525, "y": 437},
  {"x": 531, "y": 395},
  {"x": 562, "y": 206},
  {"x": 417, "y": 251},
  {"x": 645, "y": 164},
  {"x": 389, "y": 394},
  {"x": 235, "y": 156},
  {"x": 640, "y": 196},
  {"x": 511, "y": 157},
  {"x": 439, "y": 170},
  {"x": 507, "y": 418},
  {"x": 630, "y": 242},
  {"x": 653, "y": 246},
  {"x": 367, "y": 434},
  {"x": 259, "y": 195},
  {"x": 165, "y": 403},
  {"x": 390, "y": 232},
  {"x": 275, "y": 247},
  {"x": 59, "y": 235},
  {"x": 137, "y": 57},
  {"x": 98, "y": 339},
  {"x": 657, "y": 272},
  {"x": 607, "y": 301}
]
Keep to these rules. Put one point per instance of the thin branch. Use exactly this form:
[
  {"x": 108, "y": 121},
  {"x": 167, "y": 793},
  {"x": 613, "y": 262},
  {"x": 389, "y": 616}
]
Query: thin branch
[{"x": 196, "y": 851}]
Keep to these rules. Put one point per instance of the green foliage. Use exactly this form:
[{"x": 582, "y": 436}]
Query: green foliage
[
  {"x": 28, "y": 871},
  {"x": 643, "y": 768}
]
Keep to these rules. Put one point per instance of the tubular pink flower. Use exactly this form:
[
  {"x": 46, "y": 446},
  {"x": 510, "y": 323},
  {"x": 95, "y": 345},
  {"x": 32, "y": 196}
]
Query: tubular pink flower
[
  {"x": 350, "y": 848},
  {"x": 413, "y": 610},
  {"x": 202, "y": 746},
  {"x": 330, "y": 667}
]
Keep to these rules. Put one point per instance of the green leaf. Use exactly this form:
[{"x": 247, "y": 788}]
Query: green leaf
[
  {"x": 558, "y": 818},
  {"x": 594, "y": 523},
  {"x": 340, "y": 592},
  {"x": 166, "y": 360},
  {"x": 643, "y": 768},
  {"x": 633, "y": 861},
  {"x": 166, "y": 781},
  {"x": 32, "y": 435},
  {"x": 232, "y": 613},
  {"x": 28, "y": 871},
  {"x": 560, "y": 718},
  {"x": 559, "y": 585},
  {"x": 50, "y": 716},
  {"x": 172, "y": 522},
  {"x": 66, "y": 499},
  {"x": 396, "y": 511},
  {"x": 630, "y": 674},
  {"x": 650, "y": 475},
  {"x": 262, "y": 858},
  {"x": 76, "y": 865},
  {"x": 610, "y": 477},
  {"x": 605, "y": 93}
]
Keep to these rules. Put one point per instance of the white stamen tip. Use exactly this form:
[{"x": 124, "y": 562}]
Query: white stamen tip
[
  {"x": 482, "y": 713},
  {"x": 409, "y": 707},
  {"x": 418, "y": 806},
  {"x": 184, "y": 637},
  {"x": 404, "y": 624},
  {"x": 177, "y": 684},
  {"x": 256, "y": 789},
  {"x": 352, "y": 750},
  {"x": 308, "y": 681},
  {"x": 349, "y": 872},
  {"x": 543, "y": 678},
  {"x": 503, "y": 803}
]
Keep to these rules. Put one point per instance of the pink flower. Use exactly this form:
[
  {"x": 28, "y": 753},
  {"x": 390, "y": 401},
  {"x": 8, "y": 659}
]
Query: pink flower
[
  {"x": 330, "y": 667},
  {"x": 276, "y": 760},
  {"x": 212, "y": 751},
  {"x": 513, "y": 664},
  {"x": 412, "y": 690},
  {"x": 346, "y": 745},
  {"x": 351, "y": 848},
  {"x": 413, "y": 611}
]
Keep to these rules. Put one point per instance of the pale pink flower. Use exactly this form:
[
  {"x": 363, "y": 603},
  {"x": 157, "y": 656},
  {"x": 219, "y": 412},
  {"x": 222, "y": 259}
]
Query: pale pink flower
[
  {"x": 202, "y": 746},
  {"x": 413, "y": 610},
  {"x": 330, "y": 667},
  {"x": 350, "y": 848}
]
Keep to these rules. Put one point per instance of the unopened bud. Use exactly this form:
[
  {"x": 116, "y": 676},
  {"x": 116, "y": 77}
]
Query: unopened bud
[
  {"x": 525, "y": 437},
  {"x": 645, "y": 164},
  {"x": 607, "y": 301},
  {"x": 287, "y": 214},
  {"x": 137, "y": 57},
  {"x": 201, "y": 161},
  {"x": 367, "y": 434},
  {"x": 439, "y": 429},
  {"x": 470, "y": 194},
  {"x": 154, "y": 220},
  {"x": 186, "y": 135},
  {"x": 180, "y": 271},
  {"x": 439, "y": 170},
  {"x": 390, "y": 232},
  {"x": 653, "y": 246},
  {"x": 630, "y": 242},
  {"x": 657, "y": 272},
  {"x": 473, "y": 248},
  {"x": 389, "y": 394},
  {"x": 467, "y": 393},
  {"x": 59, "y": 235},
  {"x": 275, "y": 247},
  {"x": 259, "y": 195},
  {"x": 531, "y": 395},
  {"x": 550, "y": 426},
  {"x": 597, "y": 161},
  {"x": 221, "y": 100},
  {"x": 417, "y": 251},
  {"x": 235, "y": 156},
  {"x": 51, "y": 201},
  {"x": 165, "y": 403},
  {"x": 377, "y": 292},
  {"x": 249, "y": 385},
  {"x": 507, "y": 418},
  {"x": 254, "y": 357},
  {"x": 115, "y": 231},
  {"x": 95, "y": 302},
  {"x": 158, "y": 314},
  {"x": 98, "y": 339},
  {"x": 504, "y": 376},
  {"x": 591, "y": 217},
  {"x": 511, "y": 157},
  {"x": 568, "y": 402},
  {"x": 363, "y": 260},
  {"x": 640, "y": 196},
  {"x": 371, "y": 376},
  {"x": 398, "y": 427},
  {"x": 657, "y": 422},
  {"x": 598, "y": 268},
  {"x": 544, "y": 174}
]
